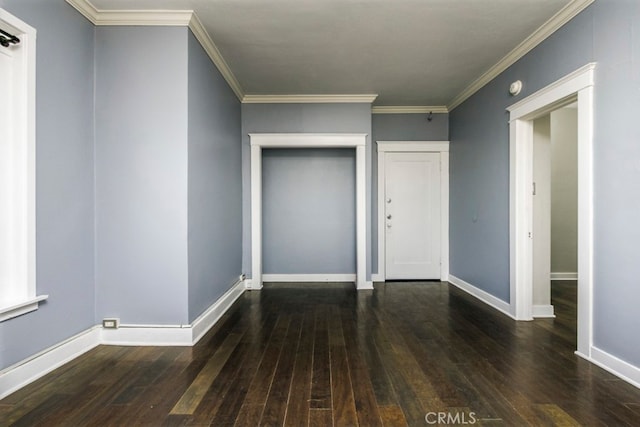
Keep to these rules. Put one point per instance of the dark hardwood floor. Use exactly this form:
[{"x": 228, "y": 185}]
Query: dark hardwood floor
[{"x": 319, "y": 355}]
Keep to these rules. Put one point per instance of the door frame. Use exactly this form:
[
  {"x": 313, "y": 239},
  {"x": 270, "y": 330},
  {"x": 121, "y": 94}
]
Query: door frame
[
  {"x": 441, "y": 147},
  {"x": 358, "y": 142},
  {"x": 578, "y": 85}
]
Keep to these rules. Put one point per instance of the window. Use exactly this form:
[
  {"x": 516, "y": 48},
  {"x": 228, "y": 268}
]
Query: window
[{"x": 17, "y": 168}]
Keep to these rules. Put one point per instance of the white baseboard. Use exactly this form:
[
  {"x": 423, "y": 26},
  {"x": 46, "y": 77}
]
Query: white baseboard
[
  {"x": 250, "y": 286},
  {"x": 367, "y": 286},
  {"x": 621, "y": 369},
  {"x": 147, "y": 335},
  {"x": 543, "y": 311},
  {"x": 483, "y": 296},
  {"x": 210, "y": 317},
  {"x": 308, "y": 278},
  {"x": 174, "y": 335},
  {"x": 444, "y": 277},
  {"x": 564, "y": 276},
  {"x": 19, "y": 375}
]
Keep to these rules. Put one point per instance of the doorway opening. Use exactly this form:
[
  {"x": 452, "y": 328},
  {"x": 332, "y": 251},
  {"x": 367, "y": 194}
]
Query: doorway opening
[
  {"x": 555, "y": 206},
  {"x": 300, "y": 140},
  {"x": 576, "y": 87}
]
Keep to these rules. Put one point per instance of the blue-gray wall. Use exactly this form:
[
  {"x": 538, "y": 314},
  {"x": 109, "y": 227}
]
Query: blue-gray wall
[
  {"x": 302, "y": 118},
  {"x": 607, "y": 32},
  {"x": 309, "y": 211},
  {"x": 616, "y": 39},
  {"x": 64, "y": 180},
  {"x": 479, "y": 157},
  {"x": 400, "y": 127},
  {"x": 113, "y": 136},
  {"x": 141, "y": 174},
  {"x": 410, "y": 127},
  {"x": 141, "y": 156},
  {"x": 215, "y": 183}
]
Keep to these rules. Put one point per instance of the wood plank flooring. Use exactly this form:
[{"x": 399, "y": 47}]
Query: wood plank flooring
[{"x": 322, "y": 355}]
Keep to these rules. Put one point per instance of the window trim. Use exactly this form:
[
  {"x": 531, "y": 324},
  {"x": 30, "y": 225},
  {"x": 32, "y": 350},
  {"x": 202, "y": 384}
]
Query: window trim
[{"x": 21, "y": 297}]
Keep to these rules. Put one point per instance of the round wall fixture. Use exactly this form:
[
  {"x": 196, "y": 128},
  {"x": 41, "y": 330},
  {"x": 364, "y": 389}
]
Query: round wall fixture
[{"x": 515, "y": 88}]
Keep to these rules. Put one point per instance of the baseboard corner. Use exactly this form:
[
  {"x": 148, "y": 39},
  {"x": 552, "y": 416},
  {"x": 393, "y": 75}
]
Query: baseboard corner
[
  {"x": 19, "y": 375},
  {"x": 366, "y": 286},
  {"x": 481, "y": 295},
  {"x": 543, "y": 311},
  {"x": 616, "y": 366},
  {"x": 212, "y": 315}
]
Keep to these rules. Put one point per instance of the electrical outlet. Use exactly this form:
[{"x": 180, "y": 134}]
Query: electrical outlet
[{"x": 111, "y": 323}]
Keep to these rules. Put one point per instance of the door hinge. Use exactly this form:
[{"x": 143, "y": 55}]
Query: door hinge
[{"x": 534, "y": 188}]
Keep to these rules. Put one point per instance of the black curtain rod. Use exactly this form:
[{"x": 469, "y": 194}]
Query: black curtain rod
[{"x": 7, "y": 39}]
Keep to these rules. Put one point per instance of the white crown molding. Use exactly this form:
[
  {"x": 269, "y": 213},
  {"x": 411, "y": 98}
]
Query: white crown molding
[
  {"x": 166, "y": 18},
  {"x": 131, "y": 17},
  {"x": 183, "y": 18},
  {"x": 209, "y": 46},
  {"x": 435, "y": 109},
  {"x": 308, "y": 99},
  {"x": 87, "y": 10},
  {"x": 542, "y": 33},
  {"x": 190, "y": 19}
]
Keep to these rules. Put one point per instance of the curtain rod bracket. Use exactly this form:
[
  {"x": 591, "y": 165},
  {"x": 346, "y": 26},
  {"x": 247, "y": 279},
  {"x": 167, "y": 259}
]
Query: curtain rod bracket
[{"x": 7, "y": 39}]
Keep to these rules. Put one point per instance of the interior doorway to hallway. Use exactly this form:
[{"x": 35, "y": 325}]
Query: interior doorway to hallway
[
  {"x": 555, "y": 205},
  {"x": 577, "y": 86}
]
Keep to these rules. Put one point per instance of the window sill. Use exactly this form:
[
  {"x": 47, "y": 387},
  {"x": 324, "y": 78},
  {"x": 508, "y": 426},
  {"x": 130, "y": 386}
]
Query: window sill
[{"x": 16, "y": 309}]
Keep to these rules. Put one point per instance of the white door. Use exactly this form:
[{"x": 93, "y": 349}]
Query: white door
[{"x": 412, "y": 216}]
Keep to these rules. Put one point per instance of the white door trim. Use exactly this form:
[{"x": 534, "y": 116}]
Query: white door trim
[
  {"x": 441, "y": 147},
  {"x": 577, "y": 85},
  {"x": 308, "y": 140}
]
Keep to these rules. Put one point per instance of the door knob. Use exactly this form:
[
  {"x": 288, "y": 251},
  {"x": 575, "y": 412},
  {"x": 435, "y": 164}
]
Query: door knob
[
  {"x": 389, "y": 216},
  {"x": 388, "y": 200}
]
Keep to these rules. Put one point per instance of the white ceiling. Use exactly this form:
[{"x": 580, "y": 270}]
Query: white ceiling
[{"x": 409, "y": 52}]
